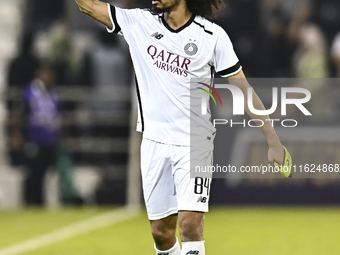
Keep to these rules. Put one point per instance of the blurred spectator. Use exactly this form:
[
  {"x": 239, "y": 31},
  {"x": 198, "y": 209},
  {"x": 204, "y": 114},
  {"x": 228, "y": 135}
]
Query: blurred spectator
[
  {"x": 62, "y": 56},
  {"x": 310, "y": 61},
  {"x": 335, "y": 54},
  {"x": 240, "y": 19},
  {"x": 281, "y": 21},
  {"x": 296, "y": 13},
  {"x": 275, "y": 50},
  {"x": 36, "y": 130},
  {"x": 111, "y": 72},
  {"x": 23, "y": 67},
  {"x": 110, "y": 62},
  {"x": 311, "y": 56}
]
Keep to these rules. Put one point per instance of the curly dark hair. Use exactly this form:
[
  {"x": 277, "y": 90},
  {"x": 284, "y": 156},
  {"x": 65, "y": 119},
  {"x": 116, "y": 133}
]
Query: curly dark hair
[{"x": 205, "y": 8}]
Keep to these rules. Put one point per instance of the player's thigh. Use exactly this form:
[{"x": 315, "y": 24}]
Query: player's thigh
[
  {"x": 158, "y": 184},
  {"x": 193, "y": 188}
]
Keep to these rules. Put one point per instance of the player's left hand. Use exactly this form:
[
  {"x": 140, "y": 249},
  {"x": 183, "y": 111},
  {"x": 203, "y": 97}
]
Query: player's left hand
[{"x": 276, "y": 153}]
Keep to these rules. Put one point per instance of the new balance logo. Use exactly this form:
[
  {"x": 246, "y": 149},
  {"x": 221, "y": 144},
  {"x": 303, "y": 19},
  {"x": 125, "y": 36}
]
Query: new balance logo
[
  {"x": 201, "y": 199},
  {"x": 193, "y": 252},
  {"x": 157, "y": 35}
]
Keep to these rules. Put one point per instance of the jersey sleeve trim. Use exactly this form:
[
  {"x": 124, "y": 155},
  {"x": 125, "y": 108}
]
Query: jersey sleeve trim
[
  {"x": 207, "y": 31},
  {"x": 112, "y": 13},
  {"x": 231, "y": 70}
]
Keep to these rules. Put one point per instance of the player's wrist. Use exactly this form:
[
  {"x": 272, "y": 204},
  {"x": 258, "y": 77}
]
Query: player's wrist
[{"x": 274, "y": 142}]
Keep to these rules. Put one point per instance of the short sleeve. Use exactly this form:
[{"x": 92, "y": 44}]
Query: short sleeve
[
  {"x": 123, "y": 20},
  {"x": 226, "y": 62}
]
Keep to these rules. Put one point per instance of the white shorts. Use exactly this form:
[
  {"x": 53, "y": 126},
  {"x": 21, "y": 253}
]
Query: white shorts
[{"x": 167, "y": 186}]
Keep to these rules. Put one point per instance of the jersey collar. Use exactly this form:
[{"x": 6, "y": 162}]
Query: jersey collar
[{"x": 178, "y": 29}]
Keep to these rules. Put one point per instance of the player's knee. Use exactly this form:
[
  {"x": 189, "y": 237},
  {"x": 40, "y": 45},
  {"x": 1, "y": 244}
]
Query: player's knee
[
  {"x": 164, "y": 232},
  {"x": 162, "y": 236},
  {"x": 191, "y": 229}
]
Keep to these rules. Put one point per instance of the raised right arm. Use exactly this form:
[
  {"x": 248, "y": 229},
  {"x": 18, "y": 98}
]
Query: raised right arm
[{"x": 97, "y": 10}]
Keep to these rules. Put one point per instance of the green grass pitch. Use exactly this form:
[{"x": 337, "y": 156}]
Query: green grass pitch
[{"x": 228, "y": 230}]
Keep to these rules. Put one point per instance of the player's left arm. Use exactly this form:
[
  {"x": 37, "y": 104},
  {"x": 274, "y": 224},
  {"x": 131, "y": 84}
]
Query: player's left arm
[{"x": 276, "y": 151}]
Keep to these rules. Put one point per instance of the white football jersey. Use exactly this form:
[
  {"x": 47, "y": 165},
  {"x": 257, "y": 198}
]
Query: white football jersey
[{"x": 165, "y": 61}]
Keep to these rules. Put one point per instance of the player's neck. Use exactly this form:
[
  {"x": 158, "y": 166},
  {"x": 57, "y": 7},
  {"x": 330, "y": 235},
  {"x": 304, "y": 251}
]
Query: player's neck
[{"x": 178, "y": 16}]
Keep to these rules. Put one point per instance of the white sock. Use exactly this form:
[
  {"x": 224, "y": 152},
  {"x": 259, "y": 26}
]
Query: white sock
[
  {"x": 175, "y": 250},
  {"x": 193, "y": 248}
]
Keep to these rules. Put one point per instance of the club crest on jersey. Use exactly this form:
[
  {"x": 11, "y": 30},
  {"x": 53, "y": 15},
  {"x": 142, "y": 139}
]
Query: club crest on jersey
[{"x": 190, "y": 49}]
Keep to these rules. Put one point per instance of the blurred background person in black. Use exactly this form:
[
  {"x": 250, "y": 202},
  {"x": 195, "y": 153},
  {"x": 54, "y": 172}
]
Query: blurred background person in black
[{"x": 22, "y": 68}]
